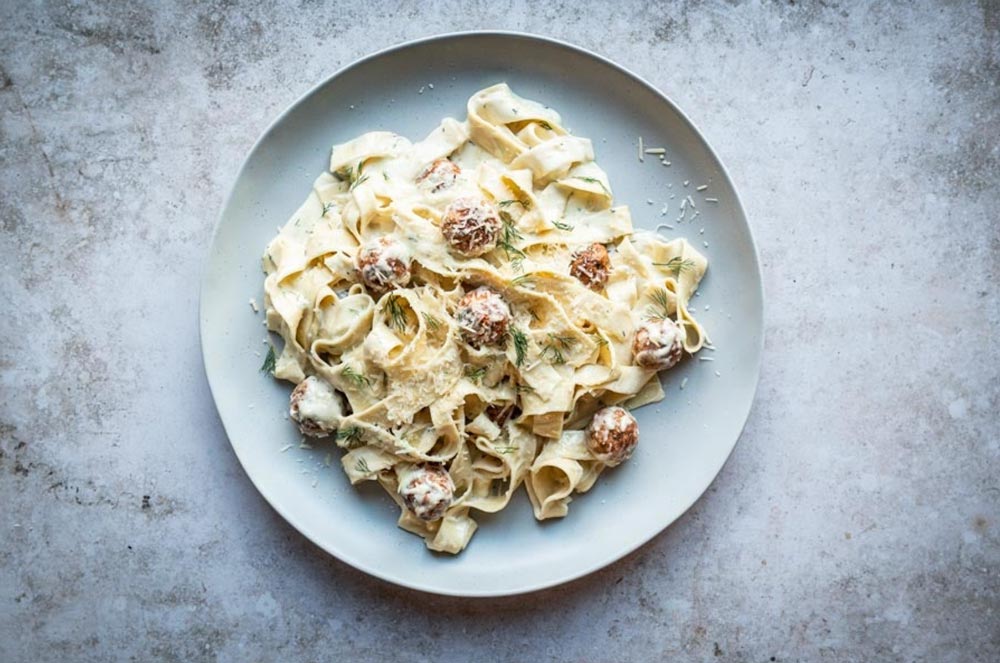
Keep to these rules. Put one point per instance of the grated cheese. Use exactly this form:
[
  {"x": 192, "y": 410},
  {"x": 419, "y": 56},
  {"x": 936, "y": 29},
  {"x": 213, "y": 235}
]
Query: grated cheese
[
  {"x": 684, "y": 383},
  {"x": 711, "y": 200},
  {"x": 702, "y": 187},
  {"x": 655, "y": 150},
  {"x": 640, "y": 149}
]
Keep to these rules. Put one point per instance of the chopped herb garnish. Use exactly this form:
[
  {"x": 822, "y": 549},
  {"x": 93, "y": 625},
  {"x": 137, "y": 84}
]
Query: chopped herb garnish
[
  {"x": 660, "y": 309},
  {"x": 362, "y": 466},
  {"x": 385, "y": 176},
  {"x": 358, "y": 379},
  {"x": 327, "y": 207},
  {"x": 355, "y": 177},
  {"x": 432, "y": 323},
  {"x": 594, "y": 180},
  {"x": 677, "y": 264},
  {"x": 553, "y": 350},
  {"x": 544, "y": 125},
  {"x": 350, "y": 437},
  {"x": 523, "y": 202},
  {"x": 523, "y": 279},
  {"x": 397, "y": 316},
  {"x": 600, "y": 340},
  {"x": 510, "y": 234},
  {"x": 524, "y": 389},
  {"x": 562, "y": 226},
  {"x": 269, "y": 361},
  {"x": 520, "y": 345},
  {"x": 475, "y": 373},
  {"x": 507, "y": 449}
]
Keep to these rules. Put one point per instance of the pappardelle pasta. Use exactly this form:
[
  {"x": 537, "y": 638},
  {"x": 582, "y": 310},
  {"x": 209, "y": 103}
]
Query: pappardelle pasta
[{"x": 470, "y": 313}]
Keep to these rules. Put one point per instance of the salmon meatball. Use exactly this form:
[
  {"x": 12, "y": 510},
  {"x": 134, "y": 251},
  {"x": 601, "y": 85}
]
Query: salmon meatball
[
  {"x": 471, "y": 226},
  {"x": 483, "y": 317},
  {"x": 315, "y": 407},
  {"x": 612, "y": 435},
  {"x": 427, "y": 491},
  {"x": 658, "y": 344},
  {"x": 591, "y": 265},
  {"x": 439, "y": 175},
  {"x": 384, "y": 264}
]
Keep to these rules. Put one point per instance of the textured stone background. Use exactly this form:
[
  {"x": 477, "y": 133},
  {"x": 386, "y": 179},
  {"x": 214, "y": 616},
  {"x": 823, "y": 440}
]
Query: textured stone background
[{"x": 859, "y": 517}]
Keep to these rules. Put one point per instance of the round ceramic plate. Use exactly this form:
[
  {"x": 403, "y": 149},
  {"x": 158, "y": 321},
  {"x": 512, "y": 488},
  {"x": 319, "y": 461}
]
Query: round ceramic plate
[{"x": 685, "y": 439}]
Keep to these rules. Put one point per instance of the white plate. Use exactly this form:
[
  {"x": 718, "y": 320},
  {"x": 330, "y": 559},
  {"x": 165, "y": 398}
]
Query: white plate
[{"x": 685, "y": 439}]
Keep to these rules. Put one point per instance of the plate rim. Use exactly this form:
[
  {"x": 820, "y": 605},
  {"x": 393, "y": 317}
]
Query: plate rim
[{"x": 557, "y": 578}]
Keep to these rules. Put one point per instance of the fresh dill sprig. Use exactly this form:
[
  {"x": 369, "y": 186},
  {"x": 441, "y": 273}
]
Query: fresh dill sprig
[
  {"x": 562, "y": 226},
  {"x": 327, "y": 207},
  {"x": 385, "y": 176},
  {"x": 520, "y": 345},
  {"x": 269, "y": 361},
  {"x": 510, "y": 234},
  {"x": 506, "y": 449},
  {"x": 522, "y": 279},
  {"x": 357, "y": 178},
  {"x": 351, "y": 437},
  {"x": 475, "y": 373},
  {"x": 545, "y": 125},
  {"x": 358, "y": 379},
  {"x": 593, "y": 180},
  {"x": 677, "y": 264},
  {"x": 565, "y": 342},
  {"x": 553, "y": 350},
  {"x": 600, "y": 340},
  {"x": 397, "y": 316},
  {"x": 432, "y": 323},
  {"x": 523, "y": 202},
  {"x": 362, "y": 466},
  {"x": 524, "y": 389},
  {"x": 660, "y": 308}
]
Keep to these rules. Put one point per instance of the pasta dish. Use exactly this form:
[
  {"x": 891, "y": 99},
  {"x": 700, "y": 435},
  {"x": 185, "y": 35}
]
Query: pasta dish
[{"x": 471, "y": 313}]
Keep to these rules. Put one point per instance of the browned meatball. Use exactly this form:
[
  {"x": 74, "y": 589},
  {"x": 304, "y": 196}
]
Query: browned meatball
[
  {"x": 384, "y": 264},
  {"x": 440, "y": 174},
  {"x": 315, "y": 407},
  {"x": 427, "y": 490},
  {"x": 612, "y": 435},
  {"x": 590, "y": 265},
  {"x": 483, "y": 317},
  {"x": 471, "y": 226},
  {"x": 658, "y": 344}
]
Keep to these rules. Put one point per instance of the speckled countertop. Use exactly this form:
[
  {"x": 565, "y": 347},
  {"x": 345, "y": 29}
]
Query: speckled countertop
[{"x": 859, "y": 517}]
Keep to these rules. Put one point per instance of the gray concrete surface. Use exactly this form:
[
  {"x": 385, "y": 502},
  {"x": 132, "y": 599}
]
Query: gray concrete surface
[{"x": 859, "y": 518}]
